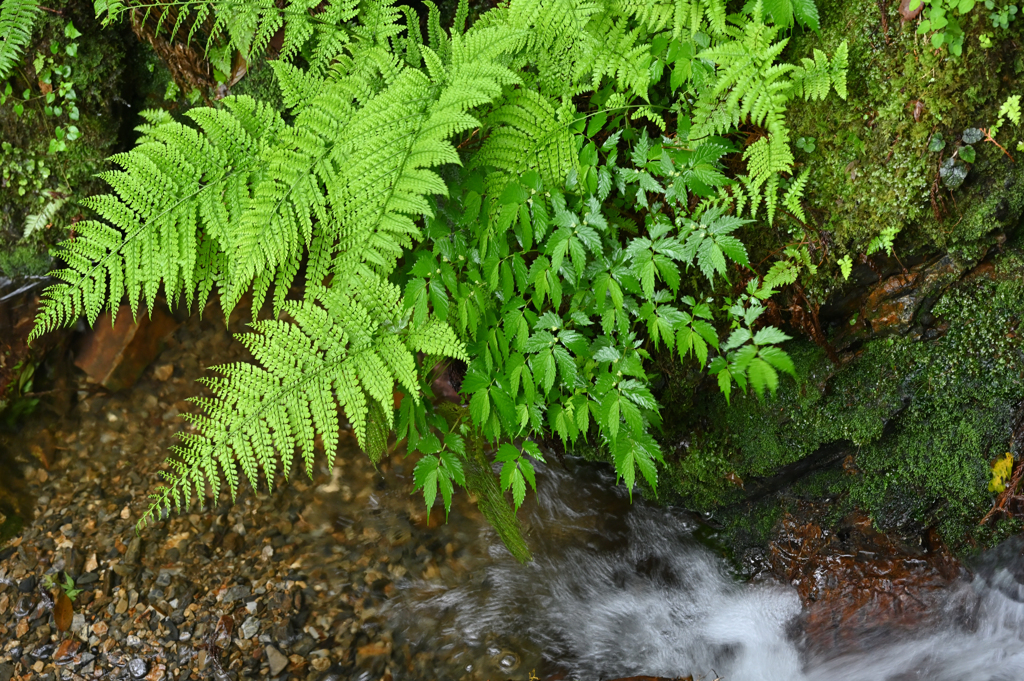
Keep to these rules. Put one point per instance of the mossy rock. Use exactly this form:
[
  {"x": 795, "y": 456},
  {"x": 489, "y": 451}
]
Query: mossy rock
[
  {"x": 871, "y": 168},
  {"x": 35, "y": 178},
  {"x": 905, "y": 430}
]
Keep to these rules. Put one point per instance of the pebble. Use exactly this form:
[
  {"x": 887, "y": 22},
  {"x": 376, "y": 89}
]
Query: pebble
[
  {"x": 137, "y": 667},
  {"x": 250, "y": 627},
  {"x": 276, "y": 660},
  {"x": 236, "y": 593}
]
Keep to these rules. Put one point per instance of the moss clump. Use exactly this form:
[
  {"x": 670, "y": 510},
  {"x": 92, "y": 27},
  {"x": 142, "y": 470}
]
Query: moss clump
[
  {"x": 871, "y": 168},
  {"x": 922, "y": 418},
  {"x": 36, "y": 179}
]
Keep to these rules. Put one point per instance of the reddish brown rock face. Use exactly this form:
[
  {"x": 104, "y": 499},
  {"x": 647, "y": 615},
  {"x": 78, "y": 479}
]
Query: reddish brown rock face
[
  {"x": 116, "y": 355},
  {"x": 859, "y": 583}
]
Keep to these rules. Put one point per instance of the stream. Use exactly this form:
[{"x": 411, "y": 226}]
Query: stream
[{"x": 619, "y": 589}]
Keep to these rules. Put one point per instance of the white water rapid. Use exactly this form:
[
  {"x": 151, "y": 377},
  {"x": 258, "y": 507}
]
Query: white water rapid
[{"x": 619, "y": 589}]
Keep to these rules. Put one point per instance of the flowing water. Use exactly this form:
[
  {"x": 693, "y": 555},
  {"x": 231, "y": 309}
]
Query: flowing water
[{"x": 619, "y": 589}]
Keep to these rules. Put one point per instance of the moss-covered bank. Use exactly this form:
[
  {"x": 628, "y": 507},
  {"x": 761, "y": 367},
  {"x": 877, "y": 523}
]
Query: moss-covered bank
[{"x": 929, "y": 384}]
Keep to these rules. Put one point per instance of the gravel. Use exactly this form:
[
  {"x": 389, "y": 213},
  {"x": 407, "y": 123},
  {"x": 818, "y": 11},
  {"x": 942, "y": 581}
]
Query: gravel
[{"x": 294, "y": 584}]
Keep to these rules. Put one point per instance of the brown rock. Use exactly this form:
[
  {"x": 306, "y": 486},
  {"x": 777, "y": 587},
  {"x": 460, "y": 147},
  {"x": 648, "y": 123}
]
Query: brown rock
[
  {"x": 100, "y": 628},
  {"x": 321, "y": 664},
  {"x": 66, "y": 650},
  {"x": 907, "y": 14},
  {"x": 157, "y": 673},
  {"x": 116, "y": 355},
  {"x": 163, "y": 372},
  {"x": 372, "y": 650},
  {"x": 861, "y": 585}
]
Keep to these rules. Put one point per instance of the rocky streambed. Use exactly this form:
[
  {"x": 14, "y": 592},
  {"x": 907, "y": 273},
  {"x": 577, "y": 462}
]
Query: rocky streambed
[{"x": 283, "y": 585}]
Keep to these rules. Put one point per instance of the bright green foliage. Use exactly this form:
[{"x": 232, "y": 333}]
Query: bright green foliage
[
  {"x": 750, "y": 86},
  {"x": 786, "y": 270},
  {"x": 17, "y": 18},
  {"x": 489, "y": 194}
]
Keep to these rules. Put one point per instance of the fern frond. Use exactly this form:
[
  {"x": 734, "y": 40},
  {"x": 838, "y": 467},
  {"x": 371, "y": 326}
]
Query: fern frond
[
  {"x": 347, "y": 349},
  {"x": 766, "y": 158},
  {"x": 528, "y": 134},
  {"x": 174, "y": 183},
  {"x": 815, "y": 77},
  {"x": 793, "y": 195},
  {"x": 612, "y": 50},
  {"x": 17, "y": 17}
]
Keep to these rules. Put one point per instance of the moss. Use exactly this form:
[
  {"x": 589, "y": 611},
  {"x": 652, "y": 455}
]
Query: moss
[
  {"x": 260, "y": 82},
  {"x": 924, "y": 419},
  {"x": 33, "y": 176},
  {"x": 23, "y": 260},
  {"x": 871, "y": 169}
]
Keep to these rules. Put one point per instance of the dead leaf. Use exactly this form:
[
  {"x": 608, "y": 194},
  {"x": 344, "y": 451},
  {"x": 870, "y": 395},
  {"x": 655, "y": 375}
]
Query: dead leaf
[{"x": 63, "y": 611}]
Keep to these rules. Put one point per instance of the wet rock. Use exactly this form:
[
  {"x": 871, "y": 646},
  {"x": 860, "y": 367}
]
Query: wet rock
[
  {"x": 236, "y": 593},
  {"x": 250, "y": 627},
  {"x": 66, "y": 651},
  {"x": 6, "y": 671},
  {"x": 131, "y": 556},
  {"x": 276, "y": 660},
  {"x": 138, "y": 668},
  {"x": 116, "y": 355},
  {"x": 27, "y": 585},
  {"x": 858, "y": 582}
]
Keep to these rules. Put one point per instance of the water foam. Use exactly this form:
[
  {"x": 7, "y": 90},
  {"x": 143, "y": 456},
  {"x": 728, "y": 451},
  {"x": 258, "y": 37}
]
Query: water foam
[{"x": 628, "y": 591}]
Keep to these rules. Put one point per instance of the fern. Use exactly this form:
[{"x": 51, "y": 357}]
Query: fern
[
  {"x": 531, "y": 137},
  {"x": 173, "y": 182},
  {"x": 529, "y": 263},
  {"x": 750, "y": 86},
  {"x": 17, "y": 17},
  {"x": 340, "y": 351}
]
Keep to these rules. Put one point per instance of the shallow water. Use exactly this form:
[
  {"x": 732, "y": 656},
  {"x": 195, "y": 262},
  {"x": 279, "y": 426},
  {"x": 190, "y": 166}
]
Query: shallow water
[{"x": 619, "y": 589}]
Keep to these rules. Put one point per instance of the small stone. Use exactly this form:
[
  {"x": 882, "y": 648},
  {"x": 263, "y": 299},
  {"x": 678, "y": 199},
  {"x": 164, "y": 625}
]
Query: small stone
[
  {"x": 131, "y": 556},
  {"x": 163, "y": 372},
  {"x": 66, "y": 650},
  {"x": 276, "y": 660},
  {"x": 126, "y": 513},
  {"x": 250, "y": 627},
  {"x": 26, "y": 585},
  {"x": 6, "y": 671},
  {"x": 137, "y": 667},
  {"x": 77, "y": 622},
  {"x": 100, "y": 628},
  {"x": 321, "y": 664},
  {"x": 87, "y": 578},
  {"x": 236, "y": 593},
  {"x": 122, "y": 607},
  {"x": 91, "y": 563},
  {"x": 157, "y": 673}
]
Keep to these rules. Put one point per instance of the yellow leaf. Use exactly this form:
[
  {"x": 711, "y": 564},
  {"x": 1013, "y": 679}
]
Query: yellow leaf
[{"x": 1001, "y": 471}]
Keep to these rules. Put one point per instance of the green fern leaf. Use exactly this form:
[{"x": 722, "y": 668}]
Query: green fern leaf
[{"x": 17, "y": 18}]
